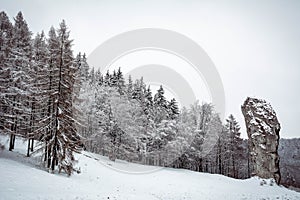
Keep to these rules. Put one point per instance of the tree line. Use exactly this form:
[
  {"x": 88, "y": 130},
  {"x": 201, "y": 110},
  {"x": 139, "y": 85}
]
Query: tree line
[
  {"x": 51, "y": 96},
  {"x": 38, "y": 89}
]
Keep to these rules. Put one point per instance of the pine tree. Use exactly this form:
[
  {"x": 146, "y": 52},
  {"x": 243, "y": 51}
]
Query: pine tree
[
  {"x": 114, "y": 79},
  {"x": 120, "y": 82},
  {"x": 5, "y": 37},
  {"x": 99, "y": 78},
  {"x": 234, "y": 147},
  {"x": 129, "y": 87},
  {"x": 173, "y": 110},
  {"x": 63, "y": 139},
  {"x": 19, "y": 59},
  {"x": 81, "y": 88},
  {"x": 84, "y": 69},
  {"x": 160, "y": 106},
  {"x": 160, "y": 99},
  {"x": 92, "y": 76},
  {"x": 148, "y": 102},
  {"x": 52, "y": 74},
  {"x": 6, "y": 29},
  {"x": 137, "y": 91},
  {"x": 39, "y": 88},
  {"x": 107, "y": 79}
]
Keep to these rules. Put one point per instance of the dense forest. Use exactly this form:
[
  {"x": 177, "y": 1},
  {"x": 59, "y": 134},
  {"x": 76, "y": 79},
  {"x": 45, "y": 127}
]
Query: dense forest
[{"x": 49, "y": 95}]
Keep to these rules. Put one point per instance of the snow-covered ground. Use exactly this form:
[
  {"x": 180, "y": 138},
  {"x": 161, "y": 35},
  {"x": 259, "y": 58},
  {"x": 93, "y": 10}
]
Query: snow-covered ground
[{"x": 21, "y": 178}]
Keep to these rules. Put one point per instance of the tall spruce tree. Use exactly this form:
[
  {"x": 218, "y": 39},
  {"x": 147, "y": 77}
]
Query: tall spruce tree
[
  {"x": 39, "y": 90},
  {"x": 6, "y": 29},
  {"x": 19, "y": 60},
  {"x": 234, "y": 145},
  {"x": 64, "y": 139}
]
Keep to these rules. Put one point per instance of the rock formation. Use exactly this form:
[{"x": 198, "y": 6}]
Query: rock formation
[{"x": 263, "y": 132}]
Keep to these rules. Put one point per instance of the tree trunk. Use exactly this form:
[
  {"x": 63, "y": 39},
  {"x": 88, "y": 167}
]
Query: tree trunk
[
  {"x": 28, "y": 147},
  {"x": 11, "y": 142},
  {"x": 32, "y": 142}
]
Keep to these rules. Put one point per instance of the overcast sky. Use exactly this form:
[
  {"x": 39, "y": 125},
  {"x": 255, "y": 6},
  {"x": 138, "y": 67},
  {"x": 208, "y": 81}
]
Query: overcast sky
[{"x": 255, "y": 45}]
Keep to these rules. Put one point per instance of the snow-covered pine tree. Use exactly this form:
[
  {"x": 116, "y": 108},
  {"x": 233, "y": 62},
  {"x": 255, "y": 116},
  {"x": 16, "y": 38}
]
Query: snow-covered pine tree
[
  {"x": 114, "y": 79},
  {"x": 160, "y": 105},
  {"x": 173, "y": 110},
  {"x": 92, "y": 76},
  {"x": 19, "y": 60},
  {"x": 6, "y": 29},
  {"x": 64, "y": 139},
  {"x": 99, "y": 78},
  {"x": 146, "y": 137},
  {"x": 129, "y": 90},
  {"x": 120, "y": 82},
  {"x": 84, "y": 68},
  {"x": 137, "y": 90},
  {"x": 148, "y": 101},
  {"x": 107, "y": 79},
  {"x": 220, "y": 151},
  {"x": 234, "y": 146},
  {"x": 83, "y": 93},
  {"x": 52, "y": 79},
  {"x": 39, "y": 97}
]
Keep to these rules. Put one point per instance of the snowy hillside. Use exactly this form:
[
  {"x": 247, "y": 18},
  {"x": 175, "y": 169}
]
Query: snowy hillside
[{"x": 100, "y": 178}]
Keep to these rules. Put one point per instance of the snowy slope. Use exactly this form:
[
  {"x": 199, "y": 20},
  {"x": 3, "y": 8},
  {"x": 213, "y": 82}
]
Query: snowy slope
[{"x": 21, "y": 178}]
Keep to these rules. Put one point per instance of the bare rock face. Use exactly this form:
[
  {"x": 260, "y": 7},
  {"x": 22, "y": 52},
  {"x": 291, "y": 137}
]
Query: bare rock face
[{"x": 263, "y": 132}]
